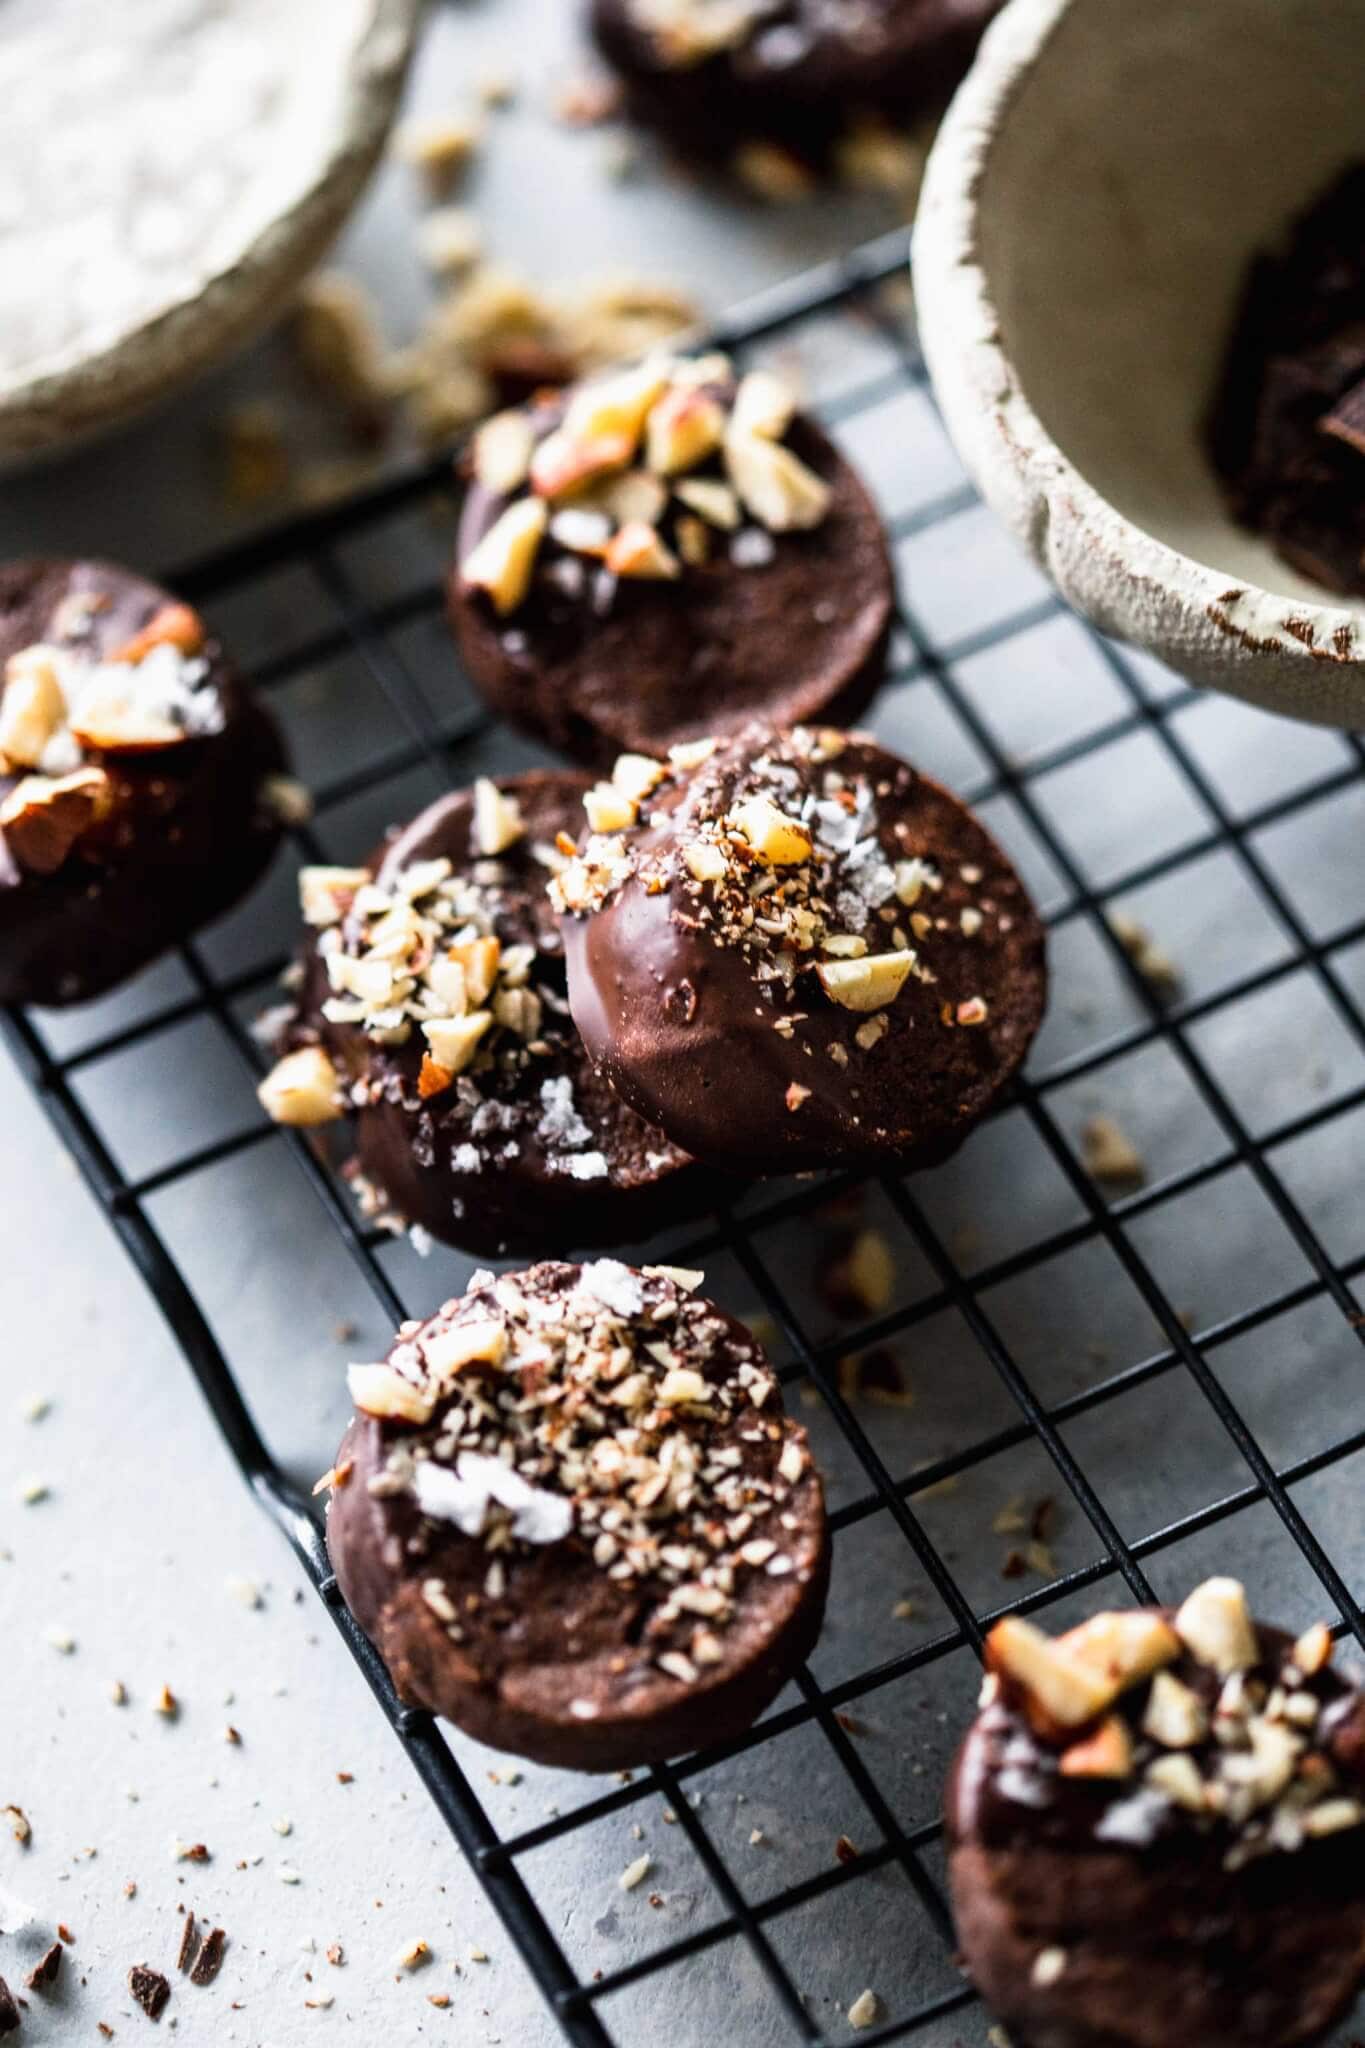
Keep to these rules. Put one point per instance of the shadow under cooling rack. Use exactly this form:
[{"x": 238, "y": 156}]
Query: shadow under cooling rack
[{"x": 1175, "y": 1369}]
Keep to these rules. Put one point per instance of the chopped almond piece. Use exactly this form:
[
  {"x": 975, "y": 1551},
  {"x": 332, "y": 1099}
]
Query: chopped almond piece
[
  {"x": 764, "y": 405},
  {"x": 682, "y": 430},
  {"x": 638, "y": 551},
  {"x": 503, "y": 561},
  {"x": 1108, "y": 1753},
  {"x": 1313, "y": 1651},
  {"x": 478, "y": 961},
  {"x": 433, "y": 1079},
  {"x": 1175, "y": 1716},
  {"x": 497, "y": 818},
  {"x": 608, "y": 809},
  {"x": 379, "y": 1391},
  {"x": 869, "y": 984},
  {"x": 503, "y": 448},
  {"x": 1058, "y": 1692},
  {"x": 775, "y": 485},
  {"x": 43, "y": 818},
  {"x": 302, "y": 1090},
  {"x": 618, "y": 404},
  {"x": 173, "y": 624},
  {"x": 116, "y": 726},
  {"x": 778, "y": 840},
  {"x": 474, "y": 1343},
  {"x": 715, "y": 501},
  {"x": 454, "y": 1040},
  {"x": 1215, "y": 1623},
  {"x": 32, "y": 708},
  {"x": 1123, "y": 1646},
  {"x": 560, "y": 465}
]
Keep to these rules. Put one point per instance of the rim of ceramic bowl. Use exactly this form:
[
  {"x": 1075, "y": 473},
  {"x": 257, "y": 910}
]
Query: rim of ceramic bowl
[
  {"x": 57, "y": 407},
  {"x": 1290, "y": 654}
]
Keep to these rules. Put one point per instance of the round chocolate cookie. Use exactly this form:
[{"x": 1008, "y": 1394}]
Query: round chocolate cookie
[
  {"x": 804, "y": 75},
  {"x": 573, "y": 1518},
  {"x": 135, "y": 798},
  {"x": 667, "y": 553},
  {"x": 433, "y": 1008},
  {"x": 791, "y": 950},
  {"x": 1155, "y": 1829}
]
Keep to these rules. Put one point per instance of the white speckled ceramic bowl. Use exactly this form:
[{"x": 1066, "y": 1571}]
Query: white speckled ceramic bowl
[
  {"x": 1089, "y": 211},
  {"x": 150, "y": 308}
]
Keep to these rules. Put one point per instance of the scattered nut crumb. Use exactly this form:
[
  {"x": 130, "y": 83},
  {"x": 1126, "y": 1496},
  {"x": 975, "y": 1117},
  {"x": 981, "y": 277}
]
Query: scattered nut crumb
[
  {"x": 1109, "y": 1155},
  {"x": 415, "y": 1956},
  {"x": 18, "y": 1822},
  {"x": 865, "y": 2010},
  {"x": 635, "y": 1873},
  {"x": 166, "y": 1704}
]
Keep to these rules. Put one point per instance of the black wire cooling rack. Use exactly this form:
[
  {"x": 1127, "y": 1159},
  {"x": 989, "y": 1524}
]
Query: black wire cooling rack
[{"x": 859, "y": 295}]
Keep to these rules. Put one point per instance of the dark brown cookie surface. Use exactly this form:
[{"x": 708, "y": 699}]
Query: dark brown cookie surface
[
  {"x": 802, "y": 953},
  {"x": 571, "y": 1515},
  {"x": 134, "y": 771},
  {"x": 715, "y": 74},
  {"x": 1288, "y": 431},
  {"x": 1155, "y": 1831},
  {"x": 434, "y": 994},
  {"x": 707, "y": 574}
]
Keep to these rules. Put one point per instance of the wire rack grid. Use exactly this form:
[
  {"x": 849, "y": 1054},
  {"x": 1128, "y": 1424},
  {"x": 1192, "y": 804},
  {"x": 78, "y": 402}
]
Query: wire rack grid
[{"x": 970, "y": 616}]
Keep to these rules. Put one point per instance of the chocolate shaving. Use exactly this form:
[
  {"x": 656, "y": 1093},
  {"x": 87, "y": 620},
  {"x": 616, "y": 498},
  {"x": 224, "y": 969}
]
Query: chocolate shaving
[
  {"x": 188, "y": 1939},
  {"x": 11, "y": 2019},
  {"x": 150, "y": 1989},
  {"x": 210, "y": 1960},
  {"x": 45, "y": 1972}
]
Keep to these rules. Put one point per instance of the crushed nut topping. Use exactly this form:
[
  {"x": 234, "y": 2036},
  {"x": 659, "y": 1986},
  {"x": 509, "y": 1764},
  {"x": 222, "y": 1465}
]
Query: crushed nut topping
[
  {"x": 602, "y": 1405},
  {"x": 784, "y": 860},
  {"x": 424, "y": 959},
  {"x": 61, "y": 704},
  {"x": 646, "y": 473},
  {"x": 1196, "y": 1719}
]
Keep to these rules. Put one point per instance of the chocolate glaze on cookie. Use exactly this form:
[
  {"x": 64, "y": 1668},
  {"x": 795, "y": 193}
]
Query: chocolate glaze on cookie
[
  {"x": 713, "y": 75},
  {"x": 745, "y": 573},
  {"x": 573, "y": 1518},
  {"x": 522, "y": 1148},
  {"x": 1155, "y": 1831},
  {"x": 802, "y": 953},
  {"x": 134, "y": 778}
]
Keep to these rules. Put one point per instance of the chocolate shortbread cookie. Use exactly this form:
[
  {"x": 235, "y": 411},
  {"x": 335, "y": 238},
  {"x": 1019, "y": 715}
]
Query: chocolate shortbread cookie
[
  {"x": 135, "y": 796},
  {"x": 665, "y": 553},
  {"x": 1287, "y": 434},
  {"x": 792, "y": 950},
  {"x": 804, "y": 75},
  {"x": 573, "y": 1518},
  {"x": 1155, "y": 1829},
  {"x": 433, "y": 1010}
]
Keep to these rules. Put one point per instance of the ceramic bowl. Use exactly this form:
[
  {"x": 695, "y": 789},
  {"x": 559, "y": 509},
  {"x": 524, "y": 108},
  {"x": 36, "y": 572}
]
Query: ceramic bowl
[
  {"x": 1090, "y": 209},
  {"x": 151, "y": 305}
]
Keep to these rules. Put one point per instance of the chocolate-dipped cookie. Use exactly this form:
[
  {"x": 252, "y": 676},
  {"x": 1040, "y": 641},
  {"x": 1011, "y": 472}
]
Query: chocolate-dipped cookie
[
  {"x": 433, "y": 1009},
  {"x": 1155, "y": 1828},
  {"x": 135, "y": 778},
  {"x": 667, "y": 553},
  {"x": 573, "y": 1518},
  {"x": 792, "y": 950},
  {"x": 802, "y": 75}
]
